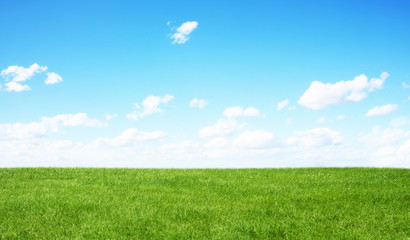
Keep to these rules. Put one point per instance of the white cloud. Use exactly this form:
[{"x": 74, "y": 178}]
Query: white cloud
[
  {"x": 79, "y": 119},
  {"x": 150, "y": 105},
  {"x": 316, "y": 137},
  {"x": 16, "y": 75},
  {"x": 384, "y": 151},
  {"x": 53, "y": 78},
  {"x": 383, "y": 137},
  {"x": 381, "y": 110},
  {"x": 200, "y": 103},
  {"x": 218, "y": 142},
  {"x": 341, "y": 117},
  {"x": 254, "y": 139},
  {"x": 282, "y": 104},
  {"x": 132, "y": 116},
  {"x": 240, "y": 112},
  {"x": 399, "y": 122},
  {"x": 405, "y": 148},
  {"x": 134, "y": 148},
  {"x": 182, "y": 33},
  {"x": 21, "y": 74},
  {"x": 389, "y": 147},
  {"x": 182, "y": 147},
  {"x": 223, "y": 127},
  {"x": 110, "y": 116},
  {"x": 321, "y": 120},
  {"x": 319, "y": 95},
  {"x": 16, "y": 87},
  {"x": 23, "y": 131},
  {"x": 131, "y": 136},
  {"x": 31, "y": 131},
  {"x": 405, "y": 85}
]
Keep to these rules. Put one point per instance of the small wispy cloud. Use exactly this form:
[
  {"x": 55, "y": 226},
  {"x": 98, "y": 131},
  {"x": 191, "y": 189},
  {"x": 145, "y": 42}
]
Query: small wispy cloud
[
  {"x": 150, "y": 105},
  {"x": 183, "y": 31},
  {"x": 282, "y": 104},
  {"x": 237, "y": 111},
  {"x": 405, "y": 85},
  {"x": 110, "y": 116},
  {"x": 321, "y": 120},
  {"x": 381, "y": 110},
  {"x": 200, "y": 103}
]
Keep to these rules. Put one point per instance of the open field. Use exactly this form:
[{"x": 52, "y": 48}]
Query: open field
[{"x": 351, "y": 203}]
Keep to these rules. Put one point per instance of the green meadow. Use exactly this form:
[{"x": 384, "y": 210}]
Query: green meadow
[{"x": 311, "y": 203}]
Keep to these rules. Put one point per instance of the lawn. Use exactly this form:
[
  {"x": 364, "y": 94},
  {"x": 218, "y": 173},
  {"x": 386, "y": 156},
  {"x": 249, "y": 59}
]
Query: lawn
[{"x": 311, "y": 203}]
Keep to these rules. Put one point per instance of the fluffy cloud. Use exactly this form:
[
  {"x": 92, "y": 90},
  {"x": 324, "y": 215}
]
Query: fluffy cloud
[
  {"x": 21, "y": 74},
  {"x": 341, "y": 117},
  {"x": 321, "y": 120},
  {"x": 16, "y": 87},
  {"x": 200, "y": 103},
  {"x": 72, "y": 120},
  {"x": 223, "y": 127},
  {"x": 132, "y": 116},
  {"x": 35, "y": 130},
  {"x": 182, "y": 33},
  {"x": 315, "y": 138},
  {"x": 218, "y": 142},
  {"x": 182, "y": 147},
  {"x": 388, "y": 147},
  {"x": 110, "y": 116},
  {"x": 254, "y": 139},
  {"x": 131, "y": 136},
  {"x": 134, "y": 148},
  {"x": 240, "y": 112},
  {"x": 384, "y": 151},
  {"x": 383, "y": 137},
  {"x": 405, "y": 85},
  {"x": 381, "y": 110},
  {"x": 399, "y": 122},
  {"x": 319, "y": 95},
  {"x": 53, "y": 78},
  {"x": 16, "y": 75},
  {"x": 405, "y": 148},
  {"x": 22, "y": 131},
  {"x": 150, "y": 105},
  {"x": 282, "y": 104}
]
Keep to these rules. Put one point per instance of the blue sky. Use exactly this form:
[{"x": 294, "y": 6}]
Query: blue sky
[{"x": 277, "y": 83}]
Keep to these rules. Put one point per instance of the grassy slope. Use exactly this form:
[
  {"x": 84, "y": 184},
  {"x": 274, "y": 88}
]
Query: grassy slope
[{"x": 219, "y": 204}]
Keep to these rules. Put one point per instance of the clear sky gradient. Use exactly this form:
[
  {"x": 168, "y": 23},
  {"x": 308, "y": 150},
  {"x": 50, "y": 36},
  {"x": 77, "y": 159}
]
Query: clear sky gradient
[{"x": 276, "y": 83}]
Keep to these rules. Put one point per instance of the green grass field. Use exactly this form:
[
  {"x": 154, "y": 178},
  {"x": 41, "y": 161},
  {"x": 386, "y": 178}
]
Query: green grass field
[{"x": 351, "y": 203}]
